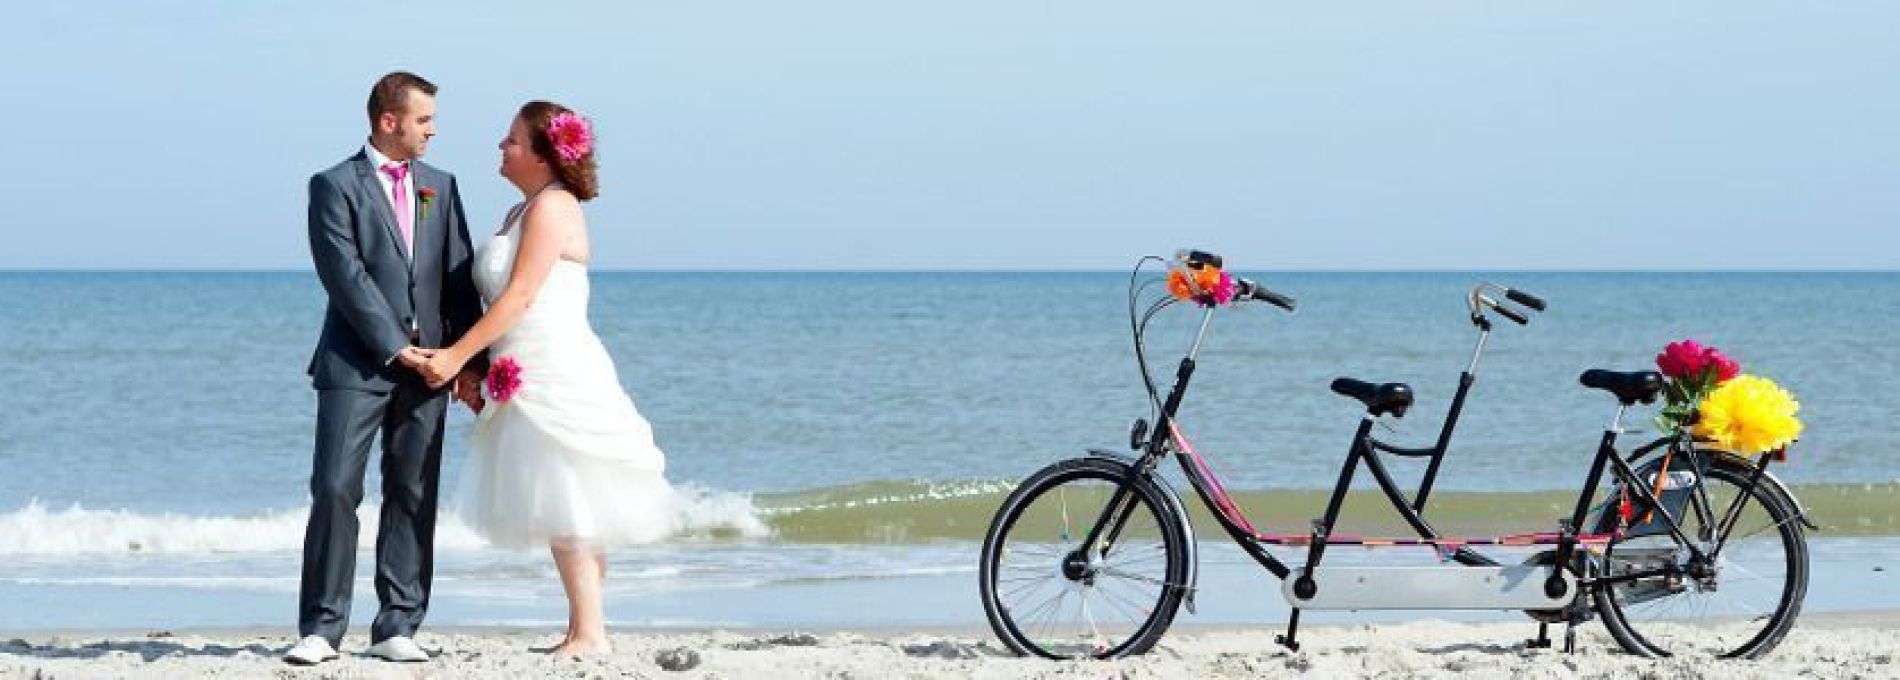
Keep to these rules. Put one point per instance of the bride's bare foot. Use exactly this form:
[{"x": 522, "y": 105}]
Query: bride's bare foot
[{"x": 582, "y": 646}]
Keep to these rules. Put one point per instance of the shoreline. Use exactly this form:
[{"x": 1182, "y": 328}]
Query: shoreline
[
  {"x": 1845, "y": 644},
  {"x": 747, "y": 588}
]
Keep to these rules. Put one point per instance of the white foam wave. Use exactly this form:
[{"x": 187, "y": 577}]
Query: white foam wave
[{"x": 78, "y": 530}]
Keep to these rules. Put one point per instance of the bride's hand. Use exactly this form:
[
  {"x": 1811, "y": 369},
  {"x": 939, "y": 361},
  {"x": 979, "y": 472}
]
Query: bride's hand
[
  {"x": 468, "y": 390},
  {"x": 442, "y": 368}
]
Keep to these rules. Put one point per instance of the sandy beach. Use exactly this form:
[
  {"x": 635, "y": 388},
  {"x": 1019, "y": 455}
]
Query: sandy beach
[{"x": 1843, "y": 645}]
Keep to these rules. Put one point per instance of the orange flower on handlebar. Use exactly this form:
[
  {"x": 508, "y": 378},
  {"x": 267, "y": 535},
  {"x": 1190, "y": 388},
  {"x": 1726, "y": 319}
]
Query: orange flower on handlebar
[{"x": 1208, "y": 286}]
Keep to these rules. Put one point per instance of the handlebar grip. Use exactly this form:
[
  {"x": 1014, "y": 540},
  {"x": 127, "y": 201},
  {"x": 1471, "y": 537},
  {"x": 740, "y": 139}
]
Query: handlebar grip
[
  {"x": 1523, "y": 298},
  {"x": 1276, "y": 299},
  {"x": 1511, "y": 314},
  {"x": 1255, "y": 291}
]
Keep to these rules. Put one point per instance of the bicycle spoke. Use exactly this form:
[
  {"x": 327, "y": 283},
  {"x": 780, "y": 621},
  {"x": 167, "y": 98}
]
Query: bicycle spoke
[
  {"x": 1121, "y": 603},
  {"x": 1054, "y": 610},
  {"x": 1130, "y": 602},
  {"x": 1034, "y": 549},
  {"x": 1764, "y": 529},
  {"x": 1025, "y": 590},
  {"x": 1137, "y": 577},
  {"x": 1101, "y": 641}
]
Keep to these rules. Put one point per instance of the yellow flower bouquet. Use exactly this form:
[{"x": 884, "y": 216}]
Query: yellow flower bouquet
[{"x": 1749, "y": 415}]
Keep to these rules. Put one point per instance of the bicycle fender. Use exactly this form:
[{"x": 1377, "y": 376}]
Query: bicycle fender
[{"x": 1173, "y": 499}]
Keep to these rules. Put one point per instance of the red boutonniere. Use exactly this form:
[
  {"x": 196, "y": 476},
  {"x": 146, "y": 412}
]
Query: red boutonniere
[{"x": 424, "y": 197}]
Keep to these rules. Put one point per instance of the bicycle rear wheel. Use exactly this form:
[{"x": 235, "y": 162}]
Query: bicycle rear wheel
[
  {"x": 1046, "y": 595},
  {"x": 1741, "y": 605}
]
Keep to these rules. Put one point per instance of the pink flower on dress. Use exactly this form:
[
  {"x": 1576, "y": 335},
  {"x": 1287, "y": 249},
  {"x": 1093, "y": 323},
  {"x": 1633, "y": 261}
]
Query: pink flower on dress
[
  {"x": 572, "y": 136},
  {"x": 504, "y": 379}
]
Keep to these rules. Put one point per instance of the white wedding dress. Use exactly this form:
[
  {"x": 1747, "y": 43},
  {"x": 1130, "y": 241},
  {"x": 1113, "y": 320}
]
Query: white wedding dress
[{"x": 567, "y": 456}]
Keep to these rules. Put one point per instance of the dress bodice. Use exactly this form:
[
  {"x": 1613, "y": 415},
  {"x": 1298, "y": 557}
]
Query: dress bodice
[{"x": 562, "y": 299}]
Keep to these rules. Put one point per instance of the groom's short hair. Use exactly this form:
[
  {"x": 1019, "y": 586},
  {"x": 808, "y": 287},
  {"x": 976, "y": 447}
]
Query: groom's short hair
[{"x": 391, "y": 93}]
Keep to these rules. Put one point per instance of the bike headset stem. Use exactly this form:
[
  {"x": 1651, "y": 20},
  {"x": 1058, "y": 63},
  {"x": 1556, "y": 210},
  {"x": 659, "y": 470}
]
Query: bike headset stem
[
  {"x": 1484, "y": 333},
  {"x": 1456, "y": 409},
  {"x": 1207, "y": 317},
  {"x": 1114, "y": 514},
  {"x": 1176, "y": 393}
]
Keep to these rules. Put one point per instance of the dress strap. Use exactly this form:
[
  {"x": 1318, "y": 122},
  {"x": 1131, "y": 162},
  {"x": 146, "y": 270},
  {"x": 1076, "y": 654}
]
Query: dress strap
[
  {"x": 515, "y": 214},
  {"x": 514, "y": 217}
]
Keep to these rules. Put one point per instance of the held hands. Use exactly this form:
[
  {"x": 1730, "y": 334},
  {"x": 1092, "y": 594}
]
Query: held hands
[
  {"x": 414, "y": 357},
  {"x": 440, "y": 366}
]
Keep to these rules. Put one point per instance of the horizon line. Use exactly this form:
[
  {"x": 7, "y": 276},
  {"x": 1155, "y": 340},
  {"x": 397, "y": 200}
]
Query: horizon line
[{"x": 996, "y": 270}]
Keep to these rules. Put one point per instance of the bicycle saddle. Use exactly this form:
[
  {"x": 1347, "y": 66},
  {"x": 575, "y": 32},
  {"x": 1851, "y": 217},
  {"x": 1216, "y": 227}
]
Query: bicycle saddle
[
  {"x": 1628, "y": 386},
  {"x": 1393, "y": 398}
]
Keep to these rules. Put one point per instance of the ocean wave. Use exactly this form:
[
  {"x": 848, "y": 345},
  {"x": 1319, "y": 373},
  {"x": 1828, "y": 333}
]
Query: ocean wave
[
  {"x": 869, "y": 513},
  {"x": 896, "y": 512},
  {"x": 77, "y": 530}
]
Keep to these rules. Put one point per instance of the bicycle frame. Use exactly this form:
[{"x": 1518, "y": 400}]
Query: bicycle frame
[
  {"x": 1158, "y": 446},
  {"x": 1167, "y": 440},
  {"x": 1657, "y": 531}
]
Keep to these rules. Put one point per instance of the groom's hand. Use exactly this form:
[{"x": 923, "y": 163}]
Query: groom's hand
[
  {"x": 414, "y": 357},
  {"x": 468, "y": 390}
]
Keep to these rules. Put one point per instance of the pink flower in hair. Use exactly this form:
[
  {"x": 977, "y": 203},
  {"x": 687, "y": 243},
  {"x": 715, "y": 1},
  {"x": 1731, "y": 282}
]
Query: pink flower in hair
[{"x": 572, "y": 136}]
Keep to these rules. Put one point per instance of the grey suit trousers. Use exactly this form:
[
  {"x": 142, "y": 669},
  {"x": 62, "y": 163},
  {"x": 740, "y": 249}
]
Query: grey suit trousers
[{"x": 410, "y": 418}]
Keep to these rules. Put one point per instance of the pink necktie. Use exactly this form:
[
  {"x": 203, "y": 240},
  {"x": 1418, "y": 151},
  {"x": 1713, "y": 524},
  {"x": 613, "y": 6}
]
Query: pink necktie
[{"x": 399, "y": 200}]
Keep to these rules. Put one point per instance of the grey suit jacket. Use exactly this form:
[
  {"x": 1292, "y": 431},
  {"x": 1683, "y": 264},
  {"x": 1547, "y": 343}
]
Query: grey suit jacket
[{"x": 377, "y": 293}]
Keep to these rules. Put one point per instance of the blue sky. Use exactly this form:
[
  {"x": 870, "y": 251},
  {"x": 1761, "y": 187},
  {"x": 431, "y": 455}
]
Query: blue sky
[{"x": 994, "y": 134}]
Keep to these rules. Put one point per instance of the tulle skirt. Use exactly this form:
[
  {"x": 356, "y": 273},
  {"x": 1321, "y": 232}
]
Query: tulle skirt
[{"x": 567, "y": 456}]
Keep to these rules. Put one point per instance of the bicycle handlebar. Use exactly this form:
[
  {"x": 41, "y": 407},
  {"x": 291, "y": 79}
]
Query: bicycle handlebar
[
  {"x": 1511, "y": 314},
  {"x": 1523, "y": 298},
  {"x": 1479, "y": 301},
  {"x": 1249, "y": 290}
]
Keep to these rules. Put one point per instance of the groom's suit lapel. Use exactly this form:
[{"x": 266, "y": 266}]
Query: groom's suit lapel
[
  {"x": 372, "y": 192},
  {"x": 429, "y": 238}
]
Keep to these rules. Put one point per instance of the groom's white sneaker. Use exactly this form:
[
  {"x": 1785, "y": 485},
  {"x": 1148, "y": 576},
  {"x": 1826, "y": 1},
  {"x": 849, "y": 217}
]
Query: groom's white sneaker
[
  {"x": 398, "y": 648},
  {"x": 309, "y": 651}
]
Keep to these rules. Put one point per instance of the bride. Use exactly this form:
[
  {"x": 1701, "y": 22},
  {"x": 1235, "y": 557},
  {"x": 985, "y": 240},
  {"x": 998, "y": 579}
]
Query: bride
[{"x": 559, "y": 457}]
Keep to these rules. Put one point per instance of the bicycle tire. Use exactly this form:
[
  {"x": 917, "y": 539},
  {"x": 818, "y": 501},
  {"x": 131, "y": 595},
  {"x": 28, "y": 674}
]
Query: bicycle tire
[
  {"x": 1015, "y": 574},
  {"x": 1659, "y": 617}
]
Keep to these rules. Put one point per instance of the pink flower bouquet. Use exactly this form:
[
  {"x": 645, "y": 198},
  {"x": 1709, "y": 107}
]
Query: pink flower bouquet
[
  {"x": 504, "y": 379},
  {"x": 1693, "y": 370}
]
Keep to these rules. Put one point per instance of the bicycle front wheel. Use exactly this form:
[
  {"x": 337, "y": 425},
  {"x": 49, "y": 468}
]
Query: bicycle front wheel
[
  {"x": 1048, "y": 595},
  {"x": 1740, "y": 605}
]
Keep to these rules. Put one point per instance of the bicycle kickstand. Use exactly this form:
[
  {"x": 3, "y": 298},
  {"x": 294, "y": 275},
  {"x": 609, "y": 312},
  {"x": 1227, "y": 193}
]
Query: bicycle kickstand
[
  {"x": 1292, "y": 629},
  {"x": 1570, "y": 637},
  {"x": 1543, "y": 637}
]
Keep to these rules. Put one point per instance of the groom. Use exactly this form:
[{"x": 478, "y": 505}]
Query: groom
[{"x": 391, "y": 246}]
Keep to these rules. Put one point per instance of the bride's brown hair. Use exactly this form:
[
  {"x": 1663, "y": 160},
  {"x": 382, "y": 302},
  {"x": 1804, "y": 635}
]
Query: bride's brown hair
[{"x": 578, "y": 175}]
